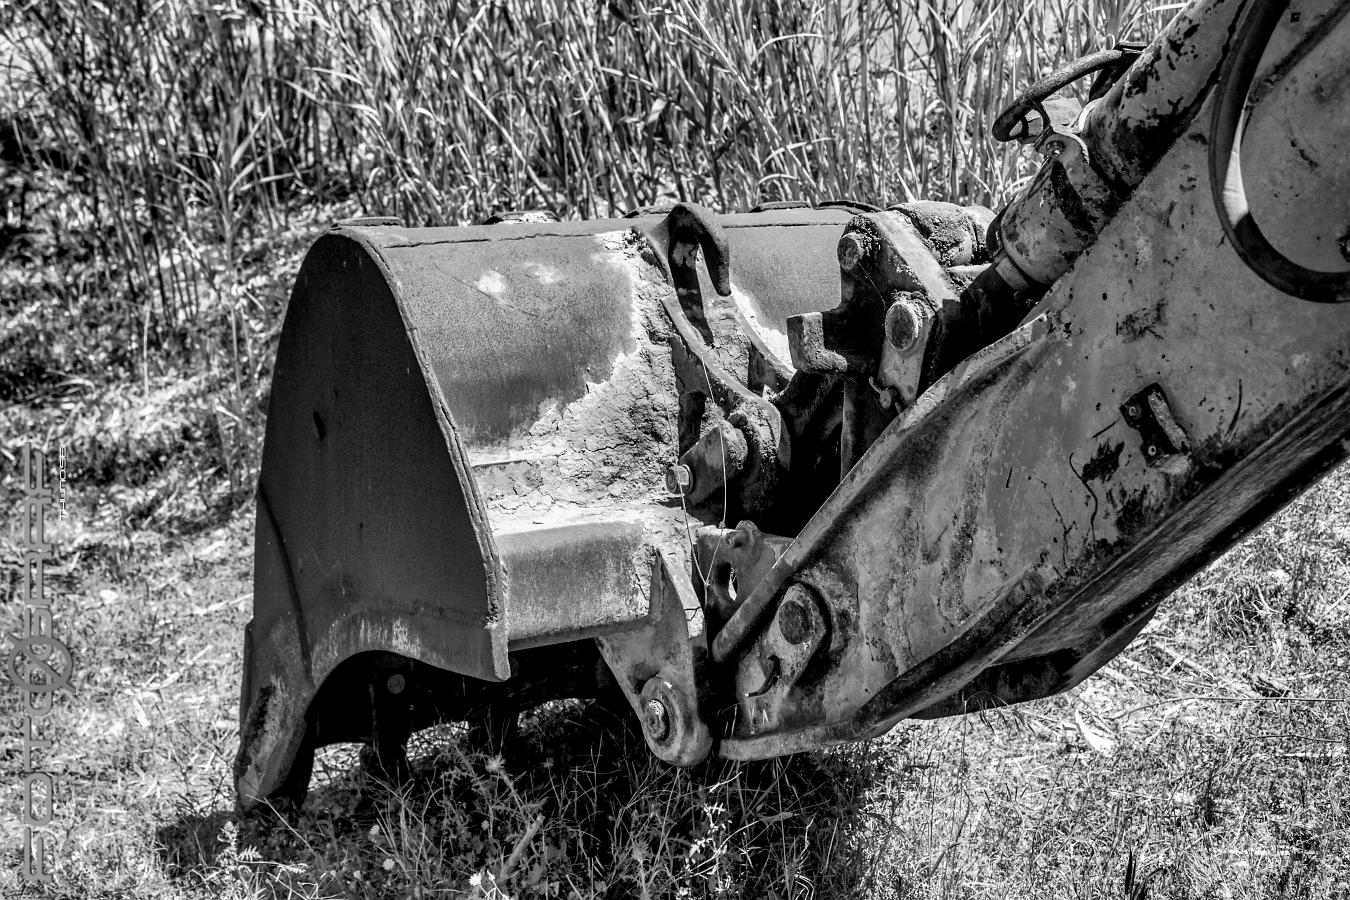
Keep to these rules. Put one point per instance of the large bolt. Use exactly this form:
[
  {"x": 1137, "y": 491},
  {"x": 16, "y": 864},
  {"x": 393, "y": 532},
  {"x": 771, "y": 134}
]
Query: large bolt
[
  {"x": 794, "y": 621},
  {"x": 671, "y": 722},
  {"x": 796, "y": 616},
  {"x": 396, "y": 684},
  {"x": 1344, "y": 246},
  {"x": 656, "y": 720},
  {"x": 705, "y": 468},
  {"x": 902, "y": 325},
  {"x": 852, "y": 252},
  {"x": 679, "y": 480}
]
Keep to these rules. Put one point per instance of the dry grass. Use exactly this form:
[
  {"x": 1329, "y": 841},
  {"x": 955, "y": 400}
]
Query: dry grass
[
  {"x": 188, "y": 125},
  {"x": 1213, "y": 752},
  {"x": 152, "y": 153}
]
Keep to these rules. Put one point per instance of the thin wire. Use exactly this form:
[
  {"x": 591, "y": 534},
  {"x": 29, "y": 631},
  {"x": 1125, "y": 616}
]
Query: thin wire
[
  {"x": 705, "y": 577},
  {"x": 721, "y": 443}
]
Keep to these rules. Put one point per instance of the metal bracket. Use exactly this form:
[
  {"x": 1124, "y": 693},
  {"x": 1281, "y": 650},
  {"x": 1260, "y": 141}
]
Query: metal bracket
[
  {"x": 659, "y": 668},
  {"x": 1148, "y": 413},
  {"x": 745, "y": 553},
  {"x": 767, "y": 674},
  {"x": 694, "y": 226}
]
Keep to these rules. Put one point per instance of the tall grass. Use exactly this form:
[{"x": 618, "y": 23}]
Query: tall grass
[
  {"x": 183, "y": 135},
  {"x": 1212, "y": 753},
  {"x": 190, "y": 122}
]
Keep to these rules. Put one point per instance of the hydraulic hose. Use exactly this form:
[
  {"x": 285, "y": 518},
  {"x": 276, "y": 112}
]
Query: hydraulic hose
[
  {"x": 1225, "y": 166},
  {"x": 1117, "y": 58}
]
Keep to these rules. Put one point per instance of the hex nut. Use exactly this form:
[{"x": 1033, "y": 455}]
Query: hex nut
[
  {"x": 685, "y": 738},
  {"x": 663, "y": 720},
  {"x": 656, "y": 720}
]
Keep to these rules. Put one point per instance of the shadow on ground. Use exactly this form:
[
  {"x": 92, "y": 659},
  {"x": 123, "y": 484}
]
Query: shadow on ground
[{"x": 578, "y": 807}]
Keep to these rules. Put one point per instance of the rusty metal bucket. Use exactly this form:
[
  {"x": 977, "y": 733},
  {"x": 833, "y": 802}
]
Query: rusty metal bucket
[{"x": 467, "y": 430}]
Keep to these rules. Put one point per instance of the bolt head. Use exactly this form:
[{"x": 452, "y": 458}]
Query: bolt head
[
  {"x": 1151, "y": 451},
  {"x": 656, "y": 720},
  {"x": 396, "y": 683},
  {"x": 902, "y": 326},
  {"x": 1132, "y": 411},
  {"x": 852, "y": 252},
  {"x": 1344, "y": 246},
  {"x": 888, "y": 397},
  {"x": 794, "y": 620}
]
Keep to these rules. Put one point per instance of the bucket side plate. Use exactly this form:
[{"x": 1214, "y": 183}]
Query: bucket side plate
[{"x": 367, "y": 538}]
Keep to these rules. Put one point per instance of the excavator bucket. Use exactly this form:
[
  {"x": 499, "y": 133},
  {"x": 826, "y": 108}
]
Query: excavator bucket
[
  {"x": 781, "y": 479},
  {"x": 466, "y": 454}
]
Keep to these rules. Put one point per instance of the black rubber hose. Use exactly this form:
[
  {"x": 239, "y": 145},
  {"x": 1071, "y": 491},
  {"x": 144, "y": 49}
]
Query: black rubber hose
[
  {"x": 1042, "y": 88},
  {"x": 1225, "y": 166}
]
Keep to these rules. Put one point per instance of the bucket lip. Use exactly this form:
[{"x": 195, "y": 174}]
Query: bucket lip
[{"x": 379, "y": 232}]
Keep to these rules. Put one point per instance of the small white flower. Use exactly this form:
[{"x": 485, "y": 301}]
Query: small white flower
[
  {"x": 375, "y": 830},
  {"x": 388, "y": 864},
  {"x": 476, "y": 879}
]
